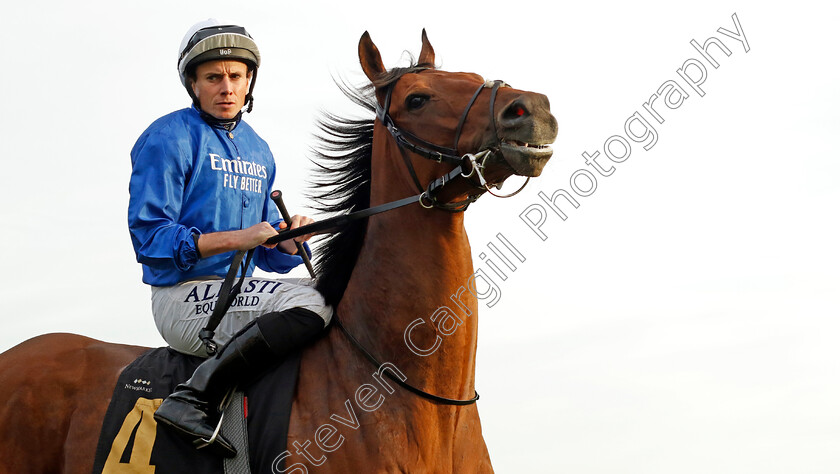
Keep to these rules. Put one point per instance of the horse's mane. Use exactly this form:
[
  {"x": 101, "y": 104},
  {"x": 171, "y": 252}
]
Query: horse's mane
[{"x": 342, "y": 180}]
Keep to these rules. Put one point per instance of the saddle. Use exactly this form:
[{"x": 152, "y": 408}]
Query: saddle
[{"x": 256, "y": 419}]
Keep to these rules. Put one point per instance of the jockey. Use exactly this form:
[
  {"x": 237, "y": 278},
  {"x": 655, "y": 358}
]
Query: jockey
[{"x": 199, "y": 191}]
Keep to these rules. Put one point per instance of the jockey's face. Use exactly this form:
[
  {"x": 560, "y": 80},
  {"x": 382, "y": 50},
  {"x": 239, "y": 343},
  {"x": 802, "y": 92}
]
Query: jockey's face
[{"x": 221, "y": 87}]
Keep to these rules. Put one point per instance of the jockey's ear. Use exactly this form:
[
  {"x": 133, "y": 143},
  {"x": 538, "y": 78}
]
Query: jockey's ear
[
  {"x": 427, "y": 53},
  {"x": 370, "y": 58}
]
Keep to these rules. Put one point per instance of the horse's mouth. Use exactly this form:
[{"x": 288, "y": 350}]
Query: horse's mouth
[
  {"x": 526, "y": 159},
  {"x": 537, "y": 150}
]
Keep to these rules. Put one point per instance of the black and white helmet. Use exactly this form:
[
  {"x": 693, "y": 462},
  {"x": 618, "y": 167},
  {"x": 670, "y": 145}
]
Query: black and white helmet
[{"x": 209, "y": 40}]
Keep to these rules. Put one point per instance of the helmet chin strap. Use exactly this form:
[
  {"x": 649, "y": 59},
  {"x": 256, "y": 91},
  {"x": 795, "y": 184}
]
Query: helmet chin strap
[{"x": 249, "y": 99}]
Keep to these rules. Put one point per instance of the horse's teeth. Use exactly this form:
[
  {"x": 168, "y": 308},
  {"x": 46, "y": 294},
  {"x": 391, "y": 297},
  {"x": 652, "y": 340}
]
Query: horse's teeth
[{"x": 524, "y": 144}]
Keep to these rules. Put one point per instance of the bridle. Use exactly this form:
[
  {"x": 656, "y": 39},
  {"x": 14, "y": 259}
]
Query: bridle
[{"x": 466, "y": 166}]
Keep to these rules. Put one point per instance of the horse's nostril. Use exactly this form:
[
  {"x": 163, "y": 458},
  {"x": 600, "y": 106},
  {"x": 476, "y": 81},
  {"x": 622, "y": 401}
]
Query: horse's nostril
[{"x": 515, "y": 111}]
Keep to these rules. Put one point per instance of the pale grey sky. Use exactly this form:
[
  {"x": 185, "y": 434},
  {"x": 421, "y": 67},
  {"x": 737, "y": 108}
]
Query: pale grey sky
[{"x": 683, "y": 319}]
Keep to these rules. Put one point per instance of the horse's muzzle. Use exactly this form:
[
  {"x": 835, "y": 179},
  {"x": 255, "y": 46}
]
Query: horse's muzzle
[{"x": 526, "y": 128}]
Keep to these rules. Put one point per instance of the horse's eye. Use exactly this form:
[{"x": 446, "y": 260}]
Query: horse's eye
[{"x": 415, "y": 101}]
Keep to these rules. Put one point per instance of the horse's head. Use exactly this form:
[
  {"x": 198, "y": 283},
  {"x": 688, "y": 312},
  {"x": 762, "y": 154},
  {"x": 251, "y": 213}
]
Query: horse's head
[{"x": 445, "y": 116}]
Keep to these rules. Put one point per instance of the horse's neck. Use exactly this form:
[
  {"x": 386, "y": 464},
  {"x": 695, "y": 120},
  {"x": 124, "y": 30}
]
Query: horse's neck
[{"x": 413, "y": 262}]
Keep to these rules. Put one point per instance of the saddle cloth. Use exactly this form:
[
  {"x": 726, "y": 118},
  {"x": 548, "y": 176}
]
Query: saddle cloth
[{"x": 130, "y": 440}]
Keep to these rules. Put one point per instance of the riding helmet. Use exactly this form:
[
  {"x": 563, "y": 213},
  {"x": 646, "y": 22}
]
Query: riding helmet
[{"x": 209, "y": 40}]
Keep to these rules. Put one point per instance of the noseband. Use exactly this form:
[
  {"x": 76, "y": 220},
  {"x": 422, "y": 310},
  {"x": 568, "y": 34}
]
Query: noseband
[{"x": 465, "y": 166}]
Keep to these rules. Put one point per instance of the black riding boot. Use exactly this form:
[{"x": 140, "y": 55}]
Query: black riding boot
[{"x": 192, "y": 409}]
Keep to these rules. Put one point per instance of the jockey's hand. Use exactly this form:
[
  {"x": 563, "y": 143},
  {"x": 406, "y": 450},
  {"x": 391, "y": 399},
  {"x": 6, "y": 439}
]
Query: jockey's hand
[
  {"x": 289, "y": 246},
  {"x": 255, "y": 235}
]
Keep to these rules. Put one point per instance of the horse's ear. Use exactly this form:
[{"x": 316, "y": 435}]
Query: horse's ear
[
  {"x": 427, "y": 53},
  {"x": 370, "y": 58}
]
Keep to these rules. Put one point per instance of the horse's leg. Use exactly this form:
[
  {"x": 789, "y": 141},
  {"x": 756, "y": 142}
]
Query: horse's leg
[{"x": 55, "y": 391}]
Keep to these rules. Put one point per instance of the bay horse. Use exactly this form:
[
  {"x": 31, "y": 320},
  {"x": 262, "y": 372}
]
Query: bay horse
[{"x": 402, "y": 283}]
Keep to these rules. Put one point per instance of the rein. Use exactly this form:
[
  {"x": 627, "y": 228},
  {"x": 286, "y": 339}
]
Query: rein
[
  {"x": 229, "y": 290},
  {"x": 400, "y": 382}
]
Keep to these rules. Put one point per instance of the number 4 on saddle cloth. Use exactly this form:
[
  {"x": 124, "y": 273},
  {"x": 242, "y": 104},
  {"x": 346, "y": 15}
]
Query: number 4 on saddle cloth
[{"x": 131, "y": 442}]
